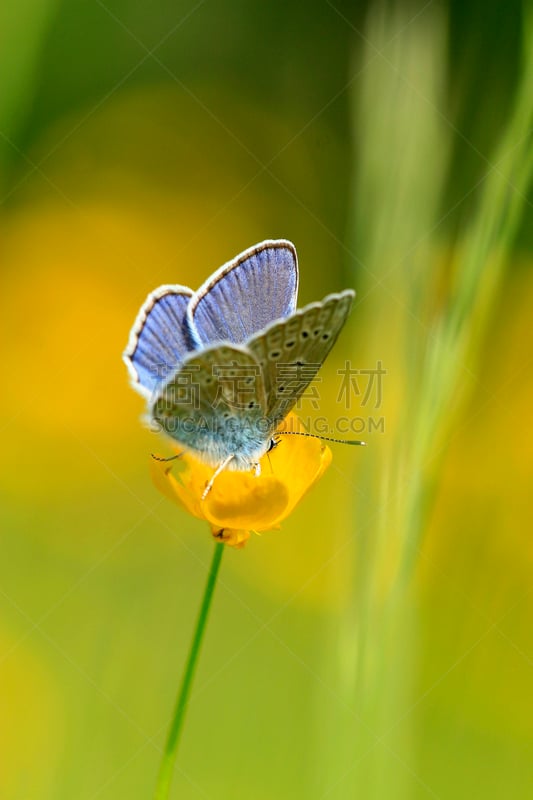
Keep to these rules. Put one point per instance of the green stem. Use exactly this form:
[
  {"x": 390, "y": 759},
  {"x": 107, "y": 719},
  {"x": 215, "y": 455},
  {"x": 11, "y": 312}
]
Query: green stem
[{"x": 171, "y": 750}]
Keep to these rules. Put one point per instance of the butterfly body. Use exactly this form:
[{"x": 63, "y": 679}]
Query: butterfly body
[{"x": 222, "y": 367}]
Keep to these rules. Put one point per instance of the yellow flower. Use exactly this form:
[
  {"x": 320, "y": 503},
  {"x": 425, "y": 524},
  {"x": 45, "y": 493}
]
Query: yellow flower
[{"x": 240, "y": 502}]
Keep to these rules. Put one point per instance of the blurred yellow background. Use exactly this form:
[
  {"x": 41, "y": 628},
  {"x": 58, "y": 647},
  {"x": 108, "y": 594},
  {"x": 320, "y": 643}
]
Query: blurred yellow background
[{"x": 378, "y": 645}]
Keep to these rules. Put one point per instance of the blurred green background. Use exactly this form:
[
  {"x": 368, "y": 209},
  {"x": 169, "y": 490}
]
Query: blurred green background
[{"x": 379, "y": 645}]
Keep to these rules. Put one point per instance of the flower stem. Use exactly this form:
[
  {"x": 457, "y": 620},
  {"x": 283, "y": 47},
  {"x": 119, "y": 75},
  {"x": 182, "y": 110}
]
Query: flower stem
[{"x": 171, "y": 750}]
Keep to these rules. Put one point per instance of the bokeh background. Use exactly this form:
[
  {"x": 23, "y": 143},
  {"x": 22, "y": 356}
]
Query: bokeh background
[{"x": 379, "y": 645}]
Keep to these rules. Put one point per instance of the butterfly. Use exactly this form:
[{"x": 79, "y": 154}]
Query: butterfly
[{"x": 222, "y": 367}]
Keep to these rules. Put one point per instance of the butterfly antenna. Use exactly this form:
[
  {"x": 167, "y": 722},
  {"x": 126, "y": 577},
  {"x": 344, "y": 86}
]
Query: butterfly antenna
[
  {"x": 221, "y": 467},
  {"x": 322, "y": 438},
  {"x": 170, "y": 458}
]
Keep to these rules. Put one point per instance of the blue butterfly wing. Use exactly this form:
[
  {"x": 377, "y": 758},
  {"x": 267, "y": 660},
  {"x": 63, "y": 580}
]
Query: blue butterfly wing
[
  {"x": 159, "y": 340},
  {"x": 245, "y": 295}
]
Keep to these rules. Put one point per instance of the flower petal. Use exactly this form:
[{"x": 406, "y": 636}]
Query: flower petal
[
  {"x": 243, "y": 500},
  {"x": 175, "y": 487},
  {"x": 298, "y": 461}
]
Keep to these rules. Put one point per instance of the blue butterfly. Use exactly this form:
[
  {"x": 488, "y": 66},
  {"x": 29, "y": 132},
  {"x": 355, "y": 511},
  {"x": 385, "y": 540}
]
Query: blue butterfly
[{"x": 221, "y": 367}]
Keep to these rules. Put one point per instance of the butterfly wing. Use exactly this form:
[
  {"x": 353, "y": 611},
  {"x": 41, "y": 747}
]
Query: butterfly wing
[
  {"x": 291, "y": 351},
  {"x": 158, "y": 340},
  {"x": 215, "y": 405},
  {"x": 245, "y": 295}
]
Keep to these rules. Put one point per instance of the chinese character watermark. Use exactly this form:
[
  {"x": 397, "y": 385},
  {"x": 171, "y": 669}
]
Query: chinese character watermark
[
  {"x": 298, "y": 380},
  {"x": 357, "y": 382}
]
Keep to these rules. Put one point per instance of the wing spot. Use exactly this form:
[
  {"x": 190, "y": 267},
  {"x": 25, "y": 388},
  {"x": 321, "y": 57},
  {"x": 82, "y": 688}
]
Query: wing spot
[
  {"x": 290, "y": 344},
  {"x": 275, "y": 354},
  {"x": 304, "y": 334},
  {"x": 251, "y": 404},
  {"x": 325, "y": 336},
  {"x": 316, "y": 331}
]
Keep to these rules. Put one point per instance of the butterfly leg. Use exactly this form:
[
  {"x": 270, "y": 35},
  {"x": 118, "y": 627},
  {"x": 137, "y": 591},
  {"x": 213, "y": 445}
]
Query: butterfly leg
[
  {"x": 257, "y": 469},
  {"x": 170, "y": 458},
  {"x": 221, "y": 467}
]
